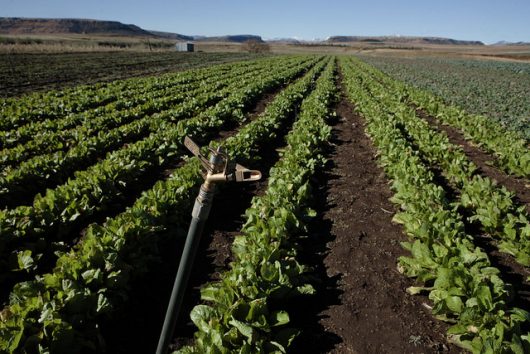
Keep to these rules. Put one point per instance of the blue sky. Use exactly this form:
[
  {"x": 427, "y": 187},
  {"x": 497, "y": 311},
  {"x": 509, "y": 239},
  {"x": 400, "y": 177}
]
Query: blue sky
[{"x": 486, "y": 20}]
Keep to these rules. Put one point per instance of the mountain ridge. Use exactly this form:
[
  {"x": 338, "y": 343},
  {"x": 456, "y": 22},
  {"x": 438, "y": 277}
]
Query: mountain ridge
[
  {"x": 402, "y": 39},
  {"x": 21, "y": 26}
]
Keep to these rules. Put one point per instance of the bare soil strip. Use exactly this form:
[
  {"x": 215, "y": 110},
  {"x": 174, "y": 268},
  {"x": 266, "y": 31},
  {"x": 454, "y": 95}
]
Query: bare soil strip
[
  {"x": 361, "y": 305},
  {"x": 484, "y": 161}
]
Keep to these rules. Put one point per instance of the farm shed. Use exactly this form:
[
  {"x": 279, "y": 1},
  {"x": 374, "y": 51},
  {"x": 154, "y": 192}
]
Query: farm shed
[{"x": 184, "y": 47}]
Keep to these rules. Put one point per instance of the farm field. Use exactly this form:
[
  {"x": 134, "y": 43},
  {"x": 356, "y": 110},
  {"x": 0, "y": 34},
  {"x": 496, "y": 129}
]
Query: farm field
[
  {"x": 388, "y": 219},
  {"x": 497, "y": 89},
  {"x": 27, "y": 72}
]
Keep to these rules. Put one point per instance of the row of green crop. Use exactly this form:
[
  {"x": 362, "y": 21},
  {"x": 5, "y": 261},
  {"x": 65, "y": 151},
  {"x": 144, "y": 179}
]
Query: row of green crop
[
  {"x": 59, "y": 312},
  {"x": 30, "y": 232},
  {"x": 139, "y": 96},
  {"x": 32, "y": 175},
  {"x": 464, "y": 287},
  {"x": 36, "y": 134},
  {"x": 191, "y": 101},
  {"x": 239, "y": 316},
  {"x": 490, "y": 206},
  {"x": 56, "y": 146},
  {"x": 52, "y": 105},
  {"x": 512, "y": 151},
  {"x": 496, "y": 90}
]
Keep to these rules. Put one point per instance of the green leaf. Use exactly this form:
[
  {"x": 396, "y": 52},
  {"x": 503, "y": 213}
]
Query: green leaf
[
  {"x": 306, "y": 289},
  {"x": 517, "y": 346},
  {"x": 200, "y": 315},
  {"x": 91, "y": 274},
  {"x": 243, "y": 328},
  {"x": 444, "y": 278},
  {"x": 484, "y": 297},
  {"x": 103, "y": 304},
  {"x": 454, "y": 303},
  {"x": 457, "y": 329},
  {"x": 25, "y": 261},
  {"x": 258, "y": 308},
  {"x": 519, "y": 315},
  {"x": 415, "y": 290},
  {"x": 280, "y": 318}
]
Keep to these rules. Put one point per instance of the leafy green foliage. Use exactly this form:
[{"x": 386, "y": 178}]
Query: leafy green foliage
[
  {"x": 490, "y": 206},
  {"x": 495, "y": 90},
  {"x": 238, "y": 317},
  {"x": 62, "y": 309},
  {"x": 462, "y": 284},
  {"x": 54, "y": 214}
]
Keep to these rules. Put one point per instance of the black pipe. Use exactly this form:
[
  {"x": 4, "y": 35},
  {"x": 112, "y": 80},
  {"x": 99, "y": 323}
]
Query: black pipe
[{"x": 200, "y": 214}]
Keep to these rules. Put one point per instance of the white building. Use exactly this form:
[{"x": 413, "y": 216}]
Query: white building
[{"x": 184, "y": 47}]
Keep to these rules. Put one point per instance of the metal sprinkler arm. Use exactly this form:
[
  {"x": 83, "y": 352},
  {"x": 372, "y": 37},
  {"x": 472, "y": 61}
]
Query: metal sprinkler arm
[
  {"x": 228, "y": 171},
  {"x": 218, "y": 169}
]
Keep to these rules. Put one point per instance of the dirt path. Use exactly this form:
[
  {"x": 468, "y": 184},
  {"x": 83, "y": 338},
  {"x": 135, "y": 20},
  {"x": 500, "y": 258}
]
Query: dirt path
[{"x": 361, "y": 306}]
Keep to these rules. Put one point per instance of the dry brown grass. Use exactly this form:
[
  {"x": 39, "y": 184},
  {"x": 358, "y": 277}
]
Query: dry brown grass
[{"x": 58, "y": 43}]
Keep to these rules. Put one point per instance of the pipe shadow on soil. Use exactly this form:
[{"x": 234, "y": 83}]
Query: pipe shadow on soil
[{"x": 306, "y": 312}]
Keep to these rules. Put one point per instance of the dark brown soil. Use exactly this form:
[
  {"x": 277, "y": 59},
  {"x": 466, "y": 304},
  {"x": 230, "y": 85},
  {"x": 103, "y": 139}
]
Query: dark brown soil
[
  {"x": 361, "y": 304},
  {"x": 484, "y": 161},
  {"x": 28, "y": 72}
]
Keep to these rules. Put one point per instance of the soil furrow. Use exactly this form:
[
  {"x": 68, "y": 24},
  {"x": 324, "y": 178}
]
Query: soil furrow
[
  {"x": 483, "y": 160},
  {"x": 361, "y": 304}
]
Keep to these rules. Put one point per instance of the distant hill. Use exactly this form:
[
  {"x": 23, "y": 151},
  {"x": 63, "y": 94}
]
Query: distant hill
[
  {"x": 26, "y": 26},
  {"x": 14, "y": 25},
  {"x": 170, "y": 35},
  {"x": 400, "y": 39},
  {"x": 17, "y": 25},
  {"x": 501, "y": 43},
  {"x": 284, "y": 41},
  {"x": 239, "y": 38}
]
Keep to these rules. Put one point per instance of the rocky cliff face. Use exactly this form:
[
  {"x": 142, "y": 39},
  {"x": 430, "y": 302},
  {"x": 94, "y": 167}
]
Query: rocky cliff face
[{"x": 81, "y": 26}]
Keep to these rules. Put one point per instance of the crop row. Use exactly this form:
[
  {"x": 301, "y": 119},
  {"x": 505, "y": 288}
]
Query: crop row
[
  {"x": 55, "y": 167},
  {"x": 28, "y": 232},
  {"x": 33, "y": 108},
  {"x": 511, "y": 151},
  {"x": 61, "y": 139},
  {"x": 23, "y": 72},
  {"x": 238, "y": 316},
  {"x": 496, "y": 90},
  {"x": 141, "y": 94},
  {"x": 490, "y": 206},
  {"x": 52, "y": 141},
  {"x": 464, "y": 287},
  {"x": 509, "y": 148},
  {"x": 60, "y": 311}
]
